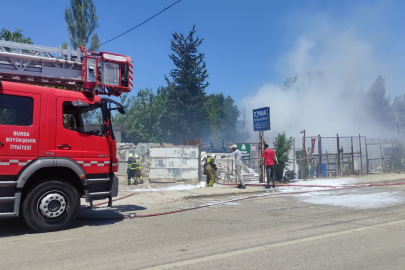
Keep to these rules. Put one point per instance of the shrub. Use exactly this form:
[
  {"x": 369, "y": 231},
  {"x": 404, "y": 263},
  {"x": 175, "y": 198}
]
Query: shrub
[{"x": 282, "y": 147}]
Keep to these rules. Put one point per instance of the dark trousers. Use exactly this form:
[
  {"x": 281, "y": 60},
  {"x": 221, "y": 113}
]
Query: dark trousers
[
  {"x": 131, "y": 174},
  {"x": 270, "y": 175}
]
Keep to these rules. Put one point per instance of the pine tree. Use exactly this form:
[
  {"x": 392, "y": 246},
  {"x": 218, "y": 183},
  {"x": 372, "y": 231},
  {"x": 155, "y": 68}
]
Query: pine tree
[
  {"x": 378, "y": 104},
  {"x": 186, "y": 91}
]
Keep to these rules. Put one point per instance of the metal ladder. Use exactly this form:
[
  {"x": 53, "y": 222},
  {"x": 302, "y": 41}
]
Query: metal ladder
[
  {"x": 102, "y": 73},
  {"x": 39, "y": 64}
]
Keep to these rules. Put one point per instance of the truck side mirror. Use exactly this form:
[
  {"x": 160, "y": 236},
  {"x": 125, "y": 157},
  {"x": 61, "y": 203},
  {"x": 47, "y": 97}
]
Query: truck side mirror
[{"x": 104, "y": 129}]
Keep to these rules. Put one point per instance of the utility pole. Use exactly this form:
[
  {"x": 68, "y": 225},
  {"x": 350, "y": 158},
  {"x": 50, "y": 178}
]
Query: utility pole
[
  {"x": 294, "y": 156},
  {"x": 243, "y": 132},
  {"x": 397, "y": 125},
  {"x": 261, "y": 122},
  {"x": 303, "y": 156}
]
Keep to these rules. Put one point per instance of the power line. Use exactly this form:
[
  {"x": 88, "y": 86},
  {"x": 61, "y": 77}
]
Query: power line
[{"x": 140, "y": 23}]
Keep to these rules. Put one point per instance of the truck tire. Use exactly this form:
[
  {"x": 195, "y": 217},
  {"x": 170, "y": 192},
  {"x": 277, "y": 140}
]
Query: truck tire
[{"x": 51, "y": 206}]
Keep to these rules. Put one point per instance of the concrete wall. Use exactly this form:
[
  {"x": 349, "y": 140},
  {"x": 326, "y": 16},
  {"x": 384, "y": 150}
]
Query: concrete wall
[
  {"x": 174, "y": 162},
  {"x": 123, "y": 149}
]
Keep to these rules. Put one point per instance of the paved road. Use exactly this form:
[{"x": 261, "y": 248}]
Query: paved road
[{"x": 274, "y": 232}]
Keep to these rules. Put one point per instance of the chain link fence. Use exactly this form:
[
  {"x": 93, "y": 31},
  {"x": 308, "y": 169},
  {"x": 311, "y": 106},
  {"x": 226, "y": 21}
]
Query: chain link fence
[
  {"x": 325, "y": 157},
  {"x": 226, "y": 166}
]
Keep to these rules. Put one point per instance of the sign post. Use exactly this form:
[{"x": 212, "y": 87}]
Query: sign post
[
  {"x": 261, "y": 119},
  {"x": 261, "y": 122}
]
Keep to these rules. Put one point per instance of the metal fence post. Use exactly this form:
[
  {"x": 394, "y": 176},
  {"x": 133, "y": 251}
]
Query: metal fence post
[
  {"x": 294, "y": 157},
  {"x": 367, "y": 163},
  {"x": 361, "y": 157},
  {"x": 227, "y": 163},
  {"x": 337, "y": 156},
  {"x": 304, "y": 158},
  {"x": 199, "y": 163},
  {"x": 319, "y": 157},
  {"x": 392, "y": 155},
  {"x": 352, "y": 156},
  {"x": 382, "y": 157},
  {"x": 233, "y": 172}
]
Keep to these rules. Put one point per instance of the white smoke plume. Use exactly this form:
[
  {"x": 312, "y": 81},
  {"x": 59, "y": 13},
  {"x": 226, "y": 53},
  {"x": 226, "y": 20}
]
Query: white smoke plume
[{"x": 333, "y": 71}]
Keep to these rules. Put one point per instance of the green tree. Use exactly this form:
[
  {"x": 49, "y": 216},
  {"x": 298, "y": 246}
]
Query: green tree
[
  {"x": 143, "y": 116},
  {"x": 95, "y": 43},
  {"x": 186, "y": 89},
  {"x": 16, "y": 36},
  {"x": 398, "y": 110},
  {"x": 81, "y": 21},
  {"x": 222, "y": 115},
  {"x": 289, "y": 82},
  {"x": 378, "y": 104},
  {"x": 160, "y": 123},
  {"x": 398, "y": 156},
  {"x": 282, "y": 147}
]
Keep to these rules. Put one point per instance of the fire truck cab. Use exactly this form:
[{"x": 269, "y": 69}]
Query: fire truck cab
[
  {"x": 56, "y": 146},
  {"x": 51, "y": 154}
]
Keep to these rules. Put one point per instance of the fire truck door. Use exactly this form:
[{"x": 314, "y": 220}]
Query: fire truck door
[
  {"x": 79, "y": 136},
  {"x": 19, "y": 130}
]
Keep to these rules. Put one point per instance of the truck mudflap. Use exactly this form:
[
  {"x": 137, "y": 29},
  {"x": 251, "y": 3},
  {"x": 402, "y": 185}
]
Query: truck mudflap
[{"x": 114, "y": 186}]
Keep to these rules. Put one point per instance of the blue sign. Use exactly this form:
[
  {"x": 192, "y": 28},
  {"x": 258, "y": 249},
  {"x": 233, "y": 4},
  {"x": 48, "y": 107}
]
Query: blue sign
[{"x": 261, "y": 119}]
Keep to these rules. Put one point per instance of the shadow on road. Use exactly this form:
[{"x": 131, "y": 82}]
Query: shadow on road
[
  {"x": 87, "y": 217},
  {"x": 13, "y": 227}
]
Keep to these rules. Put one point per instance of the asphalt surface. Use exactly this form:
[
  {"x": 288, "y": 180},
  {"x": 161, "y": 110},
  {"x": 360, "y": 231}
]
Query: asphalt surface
[{"x": 278, "y": 231}]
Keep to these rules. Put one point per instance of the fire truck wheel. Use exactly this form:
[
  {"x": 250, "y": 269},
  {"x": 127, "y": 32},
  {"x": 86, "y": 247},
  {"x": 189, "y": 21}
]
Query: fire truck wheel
[{"x": 51, "y": 206}]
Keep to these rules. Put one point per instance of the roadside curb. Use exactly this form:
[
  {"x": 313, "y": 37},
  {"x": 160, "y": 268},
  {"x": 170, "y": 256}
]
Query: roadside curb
[
  {"x": 223, "y": 194},
  {"x": 386, "y": 181},
  {"x": 226, "y": 190}
]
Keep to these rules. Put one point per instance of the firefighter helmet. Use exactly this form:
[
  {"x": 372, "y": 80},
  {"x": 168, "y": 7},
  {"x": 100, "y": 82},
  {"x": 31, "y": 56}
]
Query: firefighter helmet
[{"x": 130, "y": 155}]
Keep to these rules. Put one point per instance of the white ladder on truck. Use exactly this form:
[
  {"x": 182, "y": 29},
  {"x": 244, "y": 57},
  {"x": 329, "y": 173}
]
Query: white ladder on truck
[{"x": 103, "y": 73}]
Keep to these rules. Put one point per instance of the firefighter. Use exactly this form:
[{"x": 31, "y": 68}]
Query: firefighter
[
  {"x": 131, "y": 167},
  {"x": 138, "y": 173},
  {"x": 209, "y": 170}
]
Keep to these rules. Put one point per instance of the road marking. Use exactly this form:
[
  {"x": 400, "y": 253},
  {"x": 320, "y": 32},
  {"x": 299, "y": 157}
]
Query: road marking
[
  {"x": 287, "y": 243},
  {"x": 60, "y": 240}
]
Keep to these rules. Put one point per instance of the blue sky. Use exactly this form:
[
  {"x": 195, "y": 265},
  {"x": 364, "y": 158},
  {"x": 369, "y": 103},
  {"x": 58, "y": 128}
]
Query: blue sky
[{"x": 250, "y": 46}]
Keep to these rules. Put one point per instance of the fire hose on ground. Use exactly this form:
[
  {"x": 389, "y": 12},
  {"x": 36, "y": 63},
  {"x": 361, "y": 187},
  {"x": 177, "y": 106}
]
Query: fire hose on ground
[{"x": 327, "y": 188}]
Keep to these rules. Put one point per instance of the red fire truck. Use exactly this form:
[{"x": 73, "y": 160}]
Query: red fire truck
[{"x": 57, "y": 145}]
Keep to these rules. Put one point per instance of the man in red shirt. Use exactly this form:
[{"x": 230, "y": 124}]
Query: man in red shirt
[{"x": 270, "y": 157}]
